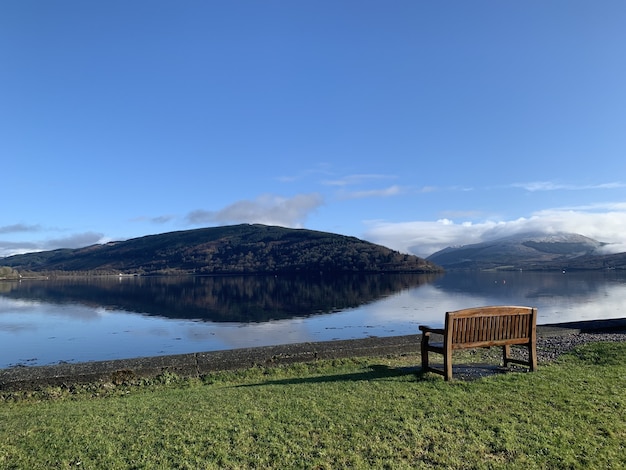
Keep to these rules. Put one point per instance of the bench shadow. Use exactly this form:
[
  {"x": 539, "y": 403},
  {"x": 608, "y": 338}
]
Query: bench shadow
[
  {"x": 475, "y": 371},
  {"x": 460, "y": 372},
  {"x": 373, "y": 372}
]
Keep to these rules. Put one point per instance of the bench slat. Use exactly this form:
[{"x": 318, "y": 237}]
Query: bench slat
[{"x": 490, "y": 328}]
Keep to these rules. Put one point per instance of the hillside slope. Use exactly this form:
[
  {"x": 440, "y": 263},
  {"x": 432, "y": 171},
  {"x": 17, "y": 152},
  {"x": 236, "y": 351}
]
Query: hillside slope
[
  {"x": 530, "y": 251},
  {"x": 236, "y": 249}
]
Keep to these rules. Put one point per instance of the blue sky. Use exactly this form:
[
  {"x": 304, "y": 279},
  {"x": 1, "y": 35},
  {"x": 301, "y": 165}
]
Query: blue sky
[{"x": 413, "y": 124}]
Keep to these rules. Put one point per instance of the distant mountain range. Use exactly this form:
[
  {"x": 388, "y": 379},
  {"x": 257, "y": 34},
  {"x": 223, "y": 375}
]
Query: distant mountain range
[
  {"x": 531, "y": 251},
  {"x": 236, "y": 249}
]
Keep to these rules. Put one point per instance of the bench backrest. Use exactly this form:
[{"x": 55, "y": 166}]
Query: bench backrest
[{"x": 491, "y": 326}]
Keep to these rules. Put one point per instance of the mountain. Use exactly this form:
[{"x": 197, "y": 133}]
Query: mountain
[
  {"x": 236, "y": 249},
  {"x": 531, "y": 251}
]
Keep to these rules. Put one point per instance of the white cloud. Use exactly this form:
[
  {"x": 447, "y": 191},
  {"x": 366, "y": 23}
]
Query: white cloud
[
  {"x": 321, "y": 168},
  {"x": 385, "y": 192},
  {"x": 19, "y": 228},
  {"x": 428, "y": 189},
  {"x": 552, "y": 186},
  {"x": 424, "y": 238},
  {"x": 356, "y": 179},
  {"x": 266, "y": 209},
  {"x": 160, "y": 219}
]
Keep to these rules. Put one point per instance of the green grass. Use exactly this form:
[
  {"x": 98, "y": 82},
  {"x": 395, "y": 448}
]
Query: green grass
[{"x": 369, "y": 413}]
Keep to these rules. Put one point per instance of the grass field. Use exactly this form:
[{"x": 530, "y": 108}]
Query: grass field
[{"x": 365, "y": 413}]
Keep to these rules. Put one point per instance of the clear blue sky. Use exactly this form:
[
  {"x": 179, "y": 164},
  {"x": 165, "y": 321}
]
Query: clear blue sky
[{"x": 414, "y": 124}]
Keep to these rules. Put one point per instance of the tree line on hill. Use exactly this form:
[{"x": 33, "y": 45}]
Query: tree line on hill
[{"x": 238, "y": 249}]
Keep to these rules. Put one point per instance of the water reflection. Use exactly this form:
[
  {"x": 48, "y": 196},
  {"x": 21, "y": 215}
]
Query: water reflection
[
  {"x": 219, "y": 299},
  {"x": 44, "y": 322},
  {"x": 530, "y": 285},
  {"x": 560, "y": 297}
]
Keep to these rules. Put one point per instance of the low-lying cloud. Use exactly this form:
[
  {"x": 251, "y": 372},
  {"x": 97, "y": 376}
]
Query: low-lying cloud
[
  {"x": 266, "y": 209},
  {"x": 78, "y": 240},
  {"x": 424, "y": 238},
  {"x": 9, "y": 248}
]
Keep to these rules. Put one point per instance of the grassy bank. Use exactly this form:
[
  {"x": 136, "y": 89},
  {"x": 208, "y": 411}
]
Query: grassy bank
[{"x": 374, "y": 413}]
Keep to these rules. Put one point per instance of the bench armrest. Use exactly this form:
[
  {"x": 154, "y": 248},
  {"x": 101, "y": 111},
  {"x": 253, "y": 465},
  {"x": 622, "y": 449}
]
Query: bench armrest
[{"x": 427, "y": 329}]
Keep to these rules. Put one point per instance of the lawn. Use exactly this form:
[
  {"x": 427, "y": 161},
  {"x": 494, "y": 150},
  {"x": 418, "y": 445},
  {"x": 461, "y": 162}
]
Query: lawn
[{"x": 360, "y": 413}]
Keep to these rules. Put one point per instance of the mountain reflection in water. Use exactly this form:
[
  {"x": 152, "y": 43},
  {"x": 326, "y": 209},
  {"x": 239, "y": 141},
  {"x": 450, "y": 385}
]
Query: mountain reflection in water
[
  {"x": 243, "y": 299},
  {"x": 91, "y": 319}
]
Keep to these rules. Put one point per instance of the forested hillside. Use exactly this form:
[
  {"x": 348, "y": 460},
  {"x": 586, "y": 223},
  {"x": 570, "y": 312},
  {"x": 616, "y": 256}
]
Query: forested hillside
[{"x": 237, "y": 249}]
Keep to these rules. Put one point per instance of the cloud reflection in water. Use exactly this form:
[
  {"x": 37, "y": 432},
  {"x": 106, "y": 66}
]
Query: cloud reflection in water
[{"x": 46, "y": 323}]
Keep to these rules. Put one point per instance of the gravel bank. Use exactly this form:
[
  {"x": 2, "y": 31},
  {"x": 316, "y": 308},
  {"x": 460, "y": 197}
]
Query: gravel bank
[{"x": 551, "y": 347}]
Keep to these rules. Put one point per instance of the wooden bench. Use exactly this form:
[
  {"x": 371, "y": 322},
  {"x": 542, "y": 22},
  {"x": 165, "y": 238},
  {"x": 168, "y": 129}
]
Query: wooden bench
[{"x": 482, "y": 327}]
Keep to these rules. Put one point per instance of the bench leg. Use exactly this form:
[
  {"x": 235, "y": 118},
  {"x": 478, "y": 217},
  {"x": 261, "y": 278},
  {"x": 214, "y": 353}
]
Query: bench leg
[
  {"x": 447, "y": 362},
  {"x": 506, "y": 354},
  {"x": 532, "y": 356},
  {"x": 425, "y": 338}
]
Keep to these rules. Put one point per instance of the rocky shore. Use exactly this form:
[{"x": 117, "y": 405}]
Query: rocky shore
[
  {"x": 552, "y": 341},
  {"x": 551, "y": 347}
]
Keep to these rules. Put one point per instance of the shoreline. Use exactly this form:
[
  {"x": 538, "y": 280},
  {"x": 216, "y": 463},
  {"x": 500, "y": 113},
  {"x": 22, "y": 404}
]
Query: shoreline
[{"x": 552, "y": 340}]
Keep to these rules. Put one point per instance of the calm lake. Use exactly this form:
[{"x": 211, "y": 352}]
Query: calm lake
[{"x": 54, "y": 321}]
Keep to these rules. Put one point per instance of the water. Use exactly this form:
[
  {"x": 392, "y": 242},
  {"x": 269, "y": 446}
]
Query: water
[{"x": 54, "y": 321}]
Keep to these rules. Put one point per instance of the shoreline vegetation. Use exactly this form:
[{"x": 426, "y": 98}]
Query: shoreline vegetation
[{"x": 371, "y": 412}]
